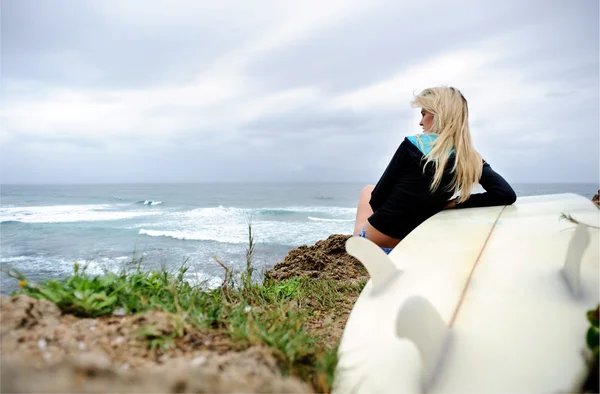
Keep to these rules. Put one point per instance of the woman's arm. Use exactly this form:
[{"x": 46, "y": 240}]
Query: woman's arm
[{"x": 497, "y": 191}]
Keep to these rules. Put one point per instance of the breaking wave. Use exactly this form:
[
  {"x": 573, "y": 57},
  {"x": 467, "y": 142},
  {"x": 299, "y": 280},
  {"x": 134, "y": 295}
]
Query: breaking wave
[
  {"x": 150, "y": 202},
  {"x": 68, "y": 213},
  {"x": 330, "y": 220}
]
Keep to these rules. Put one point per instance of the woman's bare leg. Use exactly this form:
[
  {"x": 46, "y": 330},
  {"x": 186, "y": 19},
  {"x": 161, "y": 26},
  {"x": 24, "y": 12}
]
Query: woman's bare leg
[{"x": 363, "y": 210}]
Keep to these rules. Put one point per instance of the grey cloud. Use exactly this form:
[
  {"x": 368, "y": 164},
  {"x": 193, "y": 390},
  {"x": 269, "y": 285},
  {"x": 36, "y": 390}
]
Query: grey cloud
[
  {"x": 311, "y": 121},
  {"x": 70, "y": 44},
  {"x": 382, "y": 43},
  {"x": 561, "y": 44},
  {"x": 560, "y": 94},
  {"x": 22, "y": 140}
]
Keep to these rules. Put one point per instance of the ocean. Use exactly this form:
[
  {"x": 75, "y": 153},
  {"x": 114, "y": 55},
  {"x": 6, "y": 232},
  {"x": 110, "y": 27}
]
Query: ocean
[{"x": 45, "y": 229}]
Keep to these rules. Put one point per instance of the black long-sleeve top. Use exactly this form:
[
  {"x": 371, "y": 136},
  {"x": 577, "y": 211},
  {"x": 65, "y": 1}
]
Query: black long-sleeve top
[{"x": 402, "y": 199}]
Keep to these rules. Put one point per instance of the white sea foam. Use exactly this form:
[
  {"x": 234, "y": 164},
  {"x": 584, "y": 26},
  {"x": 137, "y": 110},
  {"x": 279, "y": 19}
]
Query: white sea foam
[
  {"x": 68, "y": 213},
  {"x": 93, "y": 267},
  {"x": 150, "y": 202},
  {"x": 334, "y": 211},
  {"x": 244, "y": 213},
  {"x": 62, "y": 266},
  {"x": 191, "y": 235},
  {"x": 203, "y": 279},
  {"x": 14, "y": 259},
  {"x": 280, "y": 225},
  {"x": 272, "y": 232},
  {"x": 330, "y": 220}
]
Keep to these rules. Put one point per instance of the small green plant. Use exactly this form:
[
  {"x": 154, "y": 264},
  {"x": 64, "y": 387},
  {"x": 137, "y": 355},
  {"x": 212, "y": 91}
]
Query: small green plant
[
  {"x": 247, "y": 275},
  {"x": 279, "y": 291},
  {"x": 156, "y": 339},
  {"x": 593, "y": 333},
  {"x": 571, "y": 219}
]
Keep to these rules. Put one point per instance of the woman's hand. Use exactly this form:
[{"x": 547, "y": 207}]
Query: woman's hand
[{"x": 450, "y": 205}]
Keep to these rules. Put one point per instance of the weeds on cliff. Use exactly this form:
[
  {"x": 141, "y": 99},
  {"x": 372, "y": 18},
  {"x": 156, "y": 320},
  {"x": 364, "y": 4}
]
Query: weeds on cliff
[
  {"x": 246, "y": 279},
  {"x": 247, "y": 275},
  {"x": 569, "y": 218},
  {"x": 593, "y": 333},
  {"x": 273, "y": 314},
  {"x": 156, "y": 339}
]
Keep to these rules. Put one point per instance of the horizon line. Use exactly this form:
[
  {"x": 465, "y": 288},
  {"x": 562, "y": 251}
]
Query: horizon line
[{"x": 256, "y": 182}]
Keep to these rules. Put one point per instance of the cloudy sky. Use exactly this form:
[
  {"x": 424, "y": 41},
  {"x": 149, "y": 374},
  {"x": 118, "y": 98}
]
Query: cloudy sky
[{"x": 193, "y": 91}]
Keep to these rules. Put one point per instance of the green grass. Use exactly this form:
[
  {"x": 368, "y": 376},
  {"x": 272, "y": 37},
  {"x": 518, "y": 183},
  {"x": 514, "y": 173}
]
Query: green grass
[
  {"x": 593, "y": 332},
  {"x": 272, "y": 314}
]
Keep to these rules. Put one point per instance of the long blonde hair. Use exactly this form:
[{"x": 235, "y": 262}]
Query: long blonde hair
[{"x": 451, "y": 124}]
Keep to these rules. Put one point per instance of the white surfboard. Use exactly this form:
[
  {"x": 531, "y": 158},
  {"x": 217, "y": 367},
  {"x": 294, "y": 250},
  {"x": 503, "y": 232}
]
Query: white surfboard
[{"x": 477, "y": 300}]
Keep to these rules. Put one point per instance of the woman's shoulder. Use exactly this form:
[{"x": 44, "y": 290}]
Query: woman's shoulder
[{"x": 423, "y": 142}]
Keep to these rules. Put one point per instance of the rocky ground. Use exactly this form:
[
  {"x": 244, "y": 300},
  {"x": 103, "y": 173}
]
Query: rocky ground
[{"x": 44, "y": 350}]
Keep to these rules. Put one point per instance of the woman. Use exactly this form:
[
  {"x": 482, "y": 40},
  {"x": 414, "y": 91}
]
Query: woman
[{"x": 426, "y": 171}]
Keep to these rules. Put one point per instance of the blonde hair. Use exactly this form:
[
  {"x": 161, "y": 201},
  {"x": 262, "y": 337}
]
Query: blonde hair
[{"x": 451, "y": 124}]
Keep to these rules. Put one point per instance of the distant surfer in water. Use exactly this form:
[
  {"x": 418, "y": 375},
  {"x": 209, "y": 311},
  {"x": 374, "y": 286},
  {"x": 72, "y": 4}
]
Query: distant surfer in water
[{"x": 426, "y": 171}]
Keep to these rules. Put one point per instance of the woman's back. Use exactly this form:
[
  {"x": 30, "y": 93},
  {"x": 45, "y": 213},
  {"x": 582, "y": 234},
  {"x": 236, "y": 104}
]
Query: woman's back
[
  {"x": 427, "y": 170},
  {"x": 402, "y": 198}
]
